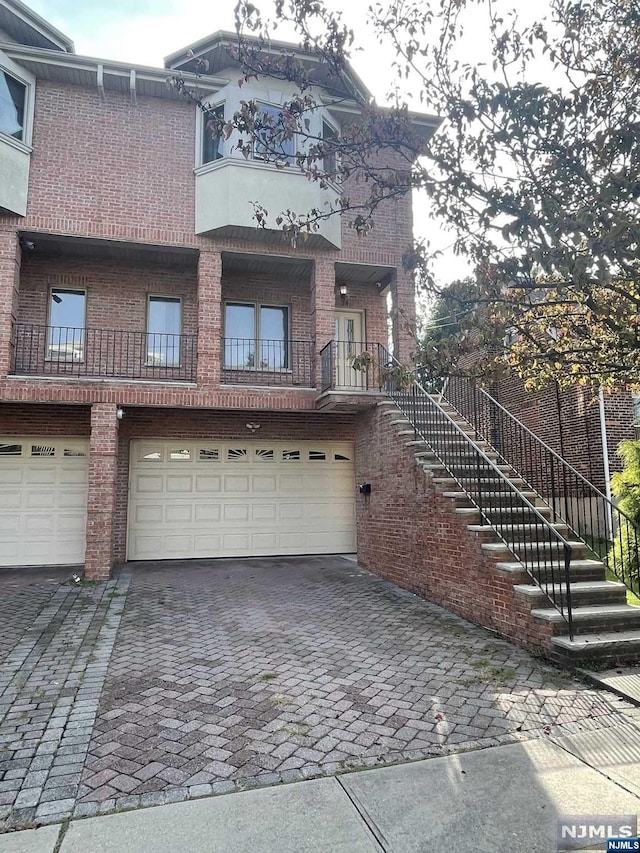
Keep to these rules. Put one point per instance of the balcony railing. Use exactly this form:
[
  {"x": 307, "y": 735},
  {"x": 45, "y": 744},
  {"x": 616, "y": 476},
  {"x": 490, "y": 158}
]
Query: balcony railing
[
  {"x": 247, "y": 361},
  {"x": 102, "y": 353},
  {"x": 353, "y": 366}
]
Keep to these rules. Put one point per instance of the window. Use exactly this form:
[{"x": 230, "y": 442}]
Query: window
[
  {"x": 329, "y": 137},
  {"x": 269, "y": 144},
  {"x": 256, "y": 336},
  {"x": 212, "y": 140},
  {"x": 13, "y": 96},
  {"x": 65, "y": 332},
  {"x": 164, "y": 324}
]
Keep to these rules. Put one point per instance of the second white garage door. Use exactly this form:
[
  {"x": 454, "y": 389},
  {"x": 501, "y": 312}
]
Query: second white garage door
[{"x": 241, "y": 498}]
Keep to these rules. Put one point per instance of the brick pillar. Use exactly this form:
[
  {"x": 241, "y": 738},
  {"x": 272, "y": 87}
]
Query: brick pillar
[
  {"x": 209, "y": 318},
  {"x": 10, "y": 257},
  {"x": 323, "y": 309},
  {"x": 103, "y": 457},
  {"x": 403, "y": 317}
]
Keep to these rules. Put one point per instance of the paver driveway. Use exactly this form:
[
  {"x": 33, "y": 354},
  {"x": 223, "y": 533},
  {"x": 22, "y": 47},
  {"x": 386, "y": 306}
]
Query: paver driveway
[{"x": 183, "y": 679}]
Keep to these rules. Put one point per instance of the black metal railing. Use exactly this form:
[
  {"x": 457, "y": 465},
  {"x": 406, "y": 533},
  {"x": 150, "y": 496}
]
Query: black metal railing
[
  {"x": 610, "y": 533},
  {"x": 247, "y": 361},
  {"x": 528, "y": 533},
  {"x": 72, "y": 352},
  {"x": 353, "y": 366}
]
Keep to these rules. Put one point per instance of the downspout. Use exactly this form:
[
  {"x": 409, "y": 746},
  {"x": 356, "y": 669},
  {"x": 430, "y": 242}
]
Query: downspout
[{"x": 605, "y": 464}]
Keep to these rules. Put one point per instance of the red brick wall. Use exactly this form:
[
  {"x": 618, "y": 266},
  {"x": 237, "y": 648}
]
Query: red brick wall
[
  {"x": 409, "y": 534},
  {"x": 577, "y": 420},
  {"x": 180, "y": 423},
  {"x": 116, "y": 292},
  {"x": 24, "y": 419},
  {"x": 112, "y": 164}
]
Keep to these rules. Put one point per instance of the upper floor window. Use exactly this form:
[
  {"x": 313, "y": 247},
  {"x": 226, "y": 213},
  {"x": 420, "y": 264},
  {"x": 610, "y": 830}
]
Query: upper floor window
[
  {"x": 212, "y": 140},
  {"x": 256, "y": 336},
  {"x": 13, "y": 96},
  {"x": 269, "y": 144},
  {"x": 329, "y": 137},
  {"x": 65, "y": 332},
  {"x": 164, "y": 326}
]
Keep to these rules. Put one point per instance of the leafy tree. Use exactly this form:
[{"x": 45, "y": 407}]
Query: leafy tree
[
  {"x": 536, "y": 169},
  {"x": 625, "y": 485}
]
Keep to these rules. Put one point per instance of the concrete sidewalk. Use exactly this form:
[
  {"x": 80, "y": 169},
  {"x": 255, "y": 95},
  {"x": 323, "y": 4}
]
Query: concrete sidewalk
[{"x": 502, "y": 798}]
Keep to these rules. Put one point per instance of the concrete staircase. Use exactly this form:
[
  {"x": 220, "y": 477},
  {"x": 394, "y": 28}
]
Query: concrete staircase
[{"x": 606, "y": 628}]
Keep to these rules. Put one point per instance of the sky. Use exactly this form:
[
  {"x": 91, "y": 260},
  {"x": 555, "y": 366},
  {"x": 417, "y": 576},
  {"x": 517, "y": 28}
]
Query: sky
[{"x": 143, "y": 32}]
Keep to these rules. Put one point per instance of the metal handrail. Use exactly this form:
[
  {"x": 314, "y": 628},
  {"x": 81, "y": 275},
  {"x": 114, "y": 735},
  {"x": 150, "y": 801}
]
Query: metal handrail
[
  {"x": 556, "y": 585},
  {"x": 590, "y": 513}
]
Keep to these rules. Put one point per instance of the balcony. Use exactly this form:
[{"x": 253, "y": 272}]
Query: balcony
[
  {"x": 67, "y": 352},
  {"x": 352, "y": 374},
  {"x": 280, "y": 363}
]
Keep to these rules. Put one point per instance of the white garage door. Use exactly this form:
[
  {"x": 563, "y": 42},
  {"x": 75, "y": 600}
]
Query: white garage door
[
  {"x": 43, "y": 500},
  {"x": 241, "y": 498}
]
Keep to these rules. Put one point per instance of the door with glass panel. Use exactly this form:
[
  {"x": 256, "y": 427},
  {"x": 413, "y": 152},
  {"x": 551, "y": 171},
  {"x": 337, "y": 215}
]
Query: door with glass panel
[{"x": 349, "y": 338}]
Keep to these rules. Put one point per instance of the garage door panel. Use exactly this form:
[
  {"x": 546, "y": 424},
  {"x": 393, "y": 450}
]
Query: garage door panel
[
  {"x": 207, "y": 512},
  {"x": 264, "y": 512},
  {"x": 45, "y": 476},
  {"x": 150, "y": 484},
  {"x": 206, "y": 483},
  {"x": 10, "y": 499},
  {"x": 43, "y": 502},
  {"x": 179, "y": 483},
  {"x": 235, "y": 512},
  {"x": 275, "y": 498},
  {"x": 236, "y": 484}
]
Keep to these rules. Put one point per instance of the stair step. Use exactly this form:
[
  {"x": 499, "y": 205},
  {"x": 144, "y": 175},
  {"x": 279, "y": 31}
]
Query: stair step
[
  {"x": 582, "y": 592},
  {"x": 520, "y": 528},
  {"x": 606, "y": 645},
  {"x": 591, "y": 617},
  {"x": 506, "y": 494},
  {"x": 517, "y": 481},
  {"x": 506, "y": 510},
  {"x": 576, "y": 546},
  {"x": 580, "y": 570}
]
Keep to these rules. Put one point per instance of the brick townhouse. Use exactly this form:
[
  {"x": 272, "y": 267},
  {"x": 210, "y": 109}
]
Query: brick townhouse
[{"x": 175, "y": 382}]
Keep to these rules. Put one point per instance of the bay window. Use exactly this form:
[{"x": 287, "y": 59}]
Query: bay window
[
  {"x": 269, "y": 144},
  {"x": 13, "y": 96}
]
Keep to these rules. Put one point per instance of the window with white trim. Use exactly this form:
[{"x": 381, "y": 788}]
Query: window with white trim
[
  {"x": 164, "y": 326},
  {"x": 269, "y": 144},
  {"x": 212, "y": 140},
  {"x": 13, "y": 100},
  {"x": 256, "y": 336},
  {"x": 66, "y": 328}
]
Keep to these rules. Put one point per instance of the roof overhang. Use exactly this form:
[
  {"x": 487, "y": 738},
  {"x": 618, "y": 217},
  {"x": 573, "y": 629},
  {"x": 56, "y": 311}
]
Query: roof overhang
[
  {"x": 217, "y": 50},
  {"x": 103, "y": 73},
  {"x": 46, "y": 244},
  {"x": 28, "y": 28}
]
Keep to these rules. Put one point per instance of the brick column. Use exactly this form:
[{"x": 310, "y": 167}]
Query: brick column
[
  {"x": 103, "y": 457},
  {"x": 10, "y": 257},
  {"x": 209, "y": 318},
  {"x": 323, "y": 309},
  {"x": 403, "y": 315}
]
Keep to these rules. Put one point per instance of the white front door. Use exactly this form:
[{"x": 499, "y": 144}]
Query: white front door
[
  {"x": 240, "y": 498},
  {"x": 43, "y": 500},
  {"x": 349, "y": 338}
]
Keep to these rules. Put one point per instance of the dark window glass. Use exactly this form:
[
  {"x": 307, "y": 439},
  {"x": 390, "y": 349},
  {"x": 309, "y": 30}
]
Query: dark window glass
[
  {"x": 329, "y": 135},
  {"x": 269, "y": 145},
  {"x": 13, "y": 95},
  {"x": 212, "y": 141}
]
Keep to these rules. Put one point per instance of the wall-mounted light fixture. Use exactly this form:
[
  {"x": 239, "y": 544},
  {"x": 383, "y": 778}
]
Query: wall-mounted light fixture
[
  {"x": 119, "y": 413},
  {"x": 344, "y": 292},
  {"x": 252, "y": 426}
]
